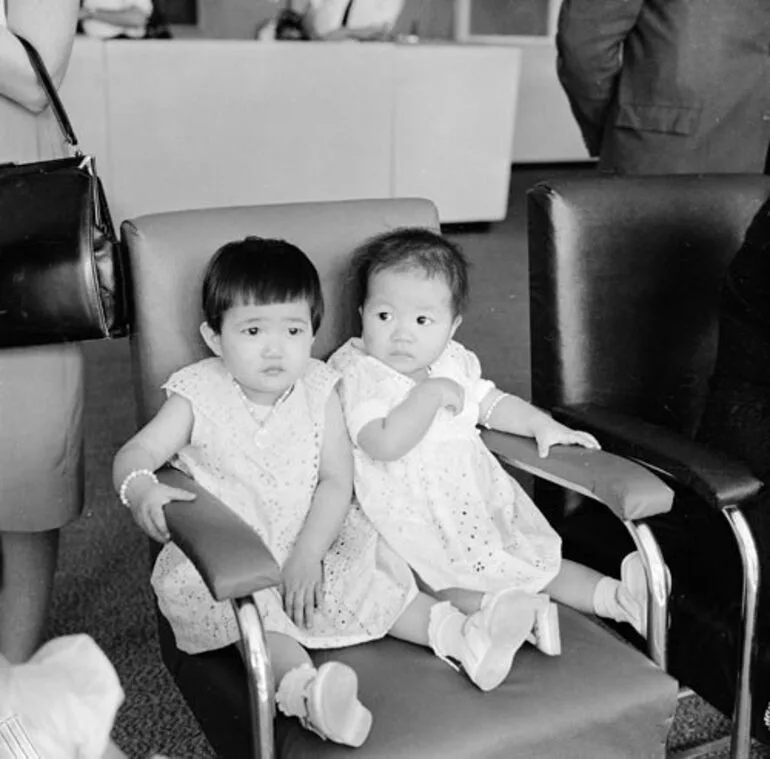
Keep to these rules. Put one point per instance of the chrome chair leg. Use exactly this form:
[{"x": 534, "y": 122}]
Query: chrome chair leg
[
  {"x": 741, "y": 729},
  {"x": 259, "y": 675},
  {"x": 658, "y": 591}
]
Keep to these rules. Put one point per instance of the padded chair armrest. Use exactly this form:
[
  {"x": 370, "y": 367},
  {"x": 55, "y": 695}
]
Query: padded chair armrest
[
  {"x": 717, "y": 478},
  {"x": 230, "y": 556},
  {"x": 628, "y": 489}
]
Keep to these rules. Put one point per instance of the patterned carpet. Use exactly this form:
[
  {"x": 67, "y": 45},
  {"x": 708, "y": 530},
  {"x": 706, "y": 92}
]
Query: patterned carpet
[{"x": 103, "y": 583}]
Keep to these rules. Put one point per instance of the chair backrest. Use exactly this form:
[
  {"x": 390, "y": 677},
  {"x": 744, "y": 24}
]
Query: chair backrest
[
  {"x": 625, "y": 276},
  {"x": 168, "y": 253}
]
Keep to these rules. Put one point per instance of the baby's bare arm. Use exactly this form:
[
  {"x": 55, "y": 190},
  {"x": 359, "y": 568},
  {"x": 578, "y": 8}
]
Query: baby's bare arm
[
  {"x": 334, "y": 492},
  {"x": 163, "y": 436},
  {"x": 302, "y": 572},
  {"x": 393, "y": 436},
  {"x": 509, "y": 413}
]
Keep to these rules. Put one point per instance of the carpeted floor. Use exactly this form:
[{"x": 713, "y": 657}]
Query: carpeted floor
[{"x": 103, "y": 583}]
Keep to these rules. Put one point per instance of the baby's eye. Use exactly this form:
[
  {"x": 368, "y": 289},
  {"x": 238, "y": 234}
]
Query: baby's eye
[
  {"x": 252, "y": 331},
  {"x": 422, "y": 320},
  {"x": 294, "y": 331},
  {"x": 384, "y": 316}
]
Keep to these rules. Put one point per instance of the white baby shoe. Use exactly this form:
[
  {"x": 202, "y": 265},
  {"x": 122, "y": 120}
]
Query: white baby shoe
[
  {"x": 633, "y": 594},
  {"x": 486, "y": 642},
  {"x": 627, "y": 599},
  {"x": 545, "y": 635},
  {"x": 326, "y": 701}
]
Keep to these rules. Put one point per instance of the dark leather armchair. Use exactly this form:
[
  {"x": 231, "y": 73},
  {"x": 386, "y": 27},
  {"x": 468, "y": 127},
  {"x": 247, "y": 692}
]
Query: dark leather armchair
[
  {"x": 600, "y": 698},
  {"x": 625, "y": 279}
]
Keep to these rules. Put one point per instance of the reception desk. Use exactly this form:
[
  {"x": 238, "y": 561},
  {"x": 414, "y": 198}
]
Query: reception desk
[{"x": 181, "y": 124}]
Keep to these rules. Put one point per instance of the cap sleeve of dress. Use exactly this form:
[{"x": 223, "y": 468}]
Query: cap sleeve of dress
[
  {"x": 320, "y": 380},
  {"x": 363, "y": 391},
  {"x": 209, "y": 388},
  {"x": 467, "y": 364}
]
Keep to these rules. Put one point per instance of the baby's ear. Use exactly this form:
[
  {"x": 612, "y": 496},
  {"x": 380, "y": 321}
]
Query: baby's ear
[
  {"x": 211, "y": 338},
  {"x": 455, "y": 325}
]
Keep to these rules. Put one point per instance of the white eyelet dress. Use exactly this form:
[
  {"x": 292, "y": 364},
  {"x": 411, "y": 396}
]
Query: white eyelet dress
[
  {"x": 269, "y": 477},
  {"x": 447, "y": 506}
]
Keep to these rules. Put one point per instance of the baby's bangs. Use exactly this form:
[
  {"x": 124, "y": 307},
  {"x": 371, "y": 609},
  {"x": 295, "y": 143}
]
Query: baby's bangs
[{"x": 265, "y": 293}]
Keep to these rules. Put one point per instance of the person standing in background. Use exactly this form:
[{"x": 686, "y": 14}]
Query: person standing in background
[
  {"x": 41, "y": 388},
  {"x": 333, "y": 20},
  {"x": 115, "y": 19},
  {"x": 669, "y": 86}
]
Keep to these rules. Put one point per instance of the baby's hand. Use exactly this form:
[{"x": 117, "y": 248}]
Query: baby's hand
[
  {"x": 451, "y": 393},
  {"x": 554, "y": 433},
  {"x": 147, "y": 508},
  {"x": 302, "y": 585}
]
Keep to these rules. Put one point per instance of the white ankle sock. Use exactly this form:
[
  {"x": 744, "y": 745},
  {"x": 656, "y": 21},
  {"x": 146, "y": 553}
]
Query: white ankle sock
[
  {"x": 325, "y": 700},
  {"x": 612, "y": 600},
  {"x": 292, "y": 690},
  {"x": 487, "y": 599},
  {"x": 445, "y": 631}
]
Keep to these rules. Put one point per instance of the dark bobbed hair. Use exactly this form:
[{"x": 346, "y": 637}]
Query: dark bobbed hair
[
  {"x": 263, "y": 271},
  {"x": 410, "y": 248}
]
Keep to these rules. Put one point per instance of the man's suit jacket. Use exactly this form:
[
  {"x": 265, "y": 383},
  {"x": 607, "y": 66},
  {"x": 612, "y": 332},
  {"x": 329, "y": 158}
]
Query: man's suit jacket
[{"x": 669, "y": 86}]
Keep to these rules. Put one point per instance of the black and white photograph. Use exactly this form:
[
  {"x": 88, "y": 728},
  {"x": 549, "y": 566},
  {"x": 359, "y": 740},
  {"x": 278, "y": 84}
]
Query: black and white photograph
[{"x": 384, "y": 379}]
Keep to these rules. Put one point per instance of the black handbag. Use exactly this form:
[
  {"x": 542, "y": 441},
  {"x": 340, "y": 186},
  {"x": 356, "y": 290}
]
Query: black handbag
[{"x": 62, "y": 273}]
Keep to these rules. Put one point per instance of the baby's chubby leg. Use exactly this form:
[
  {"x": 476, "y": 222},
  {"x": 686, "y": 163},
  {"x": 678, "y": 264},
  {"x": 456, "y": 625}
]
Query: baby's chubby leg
[
  {"x": 467, "y": 601},
  {"x": 574, "y": 586},
  {"x": 325, "y": 700}
]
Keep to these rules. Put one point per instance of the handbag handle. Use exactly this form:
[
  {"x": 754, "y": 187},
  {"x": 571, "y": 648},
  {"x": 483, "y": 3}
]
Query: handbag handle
[{"x": 53, "y": 96}]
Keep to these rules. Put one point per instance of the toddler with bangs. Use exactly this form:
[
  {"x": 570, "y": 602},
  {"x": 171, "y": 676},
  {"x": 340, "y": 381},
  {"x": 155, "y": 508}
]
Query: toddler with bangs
[
  {"x": 413, "y": 399},
  {"x": 260, "y": 425}
]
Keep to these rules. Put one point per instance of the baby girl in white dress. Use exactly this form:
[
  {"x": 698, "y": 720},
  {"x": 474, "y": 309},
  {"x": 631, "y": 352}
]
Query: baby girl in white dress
[
  {"x": 413, "y": 398},
  {"x": 259, "y": 424}
]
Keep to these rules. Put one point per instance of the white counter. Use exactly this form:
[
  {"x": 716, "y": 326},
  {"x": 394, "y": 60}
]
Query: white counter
[{"x": 200, "y": 123}]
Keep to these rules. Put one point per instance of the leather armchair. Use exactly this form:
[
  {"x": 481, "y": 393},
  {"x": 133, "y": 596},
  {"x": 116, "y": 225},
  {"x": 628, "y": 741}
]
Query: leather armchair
[
  {"x": 625, "y": 279},
  {"x": 601, "y": 697}
]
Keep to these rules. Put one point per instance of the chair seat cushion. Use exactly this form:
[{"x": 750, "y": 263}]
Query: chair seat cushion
[{"x": 601, "y": 697}]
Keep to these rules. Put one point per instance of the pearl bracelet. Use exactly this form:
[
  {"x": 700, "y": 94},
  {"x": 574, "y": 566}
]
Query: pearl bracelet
[
  {"x": 129, "y": 478},
  {"x": 492, "y": 406}
]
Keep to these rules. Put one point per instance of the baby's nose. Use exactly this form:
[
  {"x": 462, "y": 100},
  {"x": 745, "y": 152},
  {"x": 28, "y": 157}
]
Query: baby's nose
[
  {"x": 402, "y": 332},
  {"x": 272, "y": 348}
]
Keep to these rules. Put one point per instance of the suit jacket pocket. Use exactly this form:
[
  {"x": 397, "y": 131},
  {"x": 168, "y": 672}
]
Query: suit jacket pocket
[{"x": 670, "y": 119}]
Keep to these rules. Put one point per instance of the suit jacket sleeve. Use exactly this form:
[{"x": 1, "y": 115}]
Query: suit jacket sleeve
[{"x": 589, "y": 44}]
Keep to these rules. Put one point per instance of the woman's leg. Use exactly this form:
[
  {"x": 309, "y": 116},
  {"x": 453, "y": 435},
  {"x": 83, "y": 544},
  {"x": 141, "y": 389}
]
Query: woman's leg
[{"x": 26, "y": 585}]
